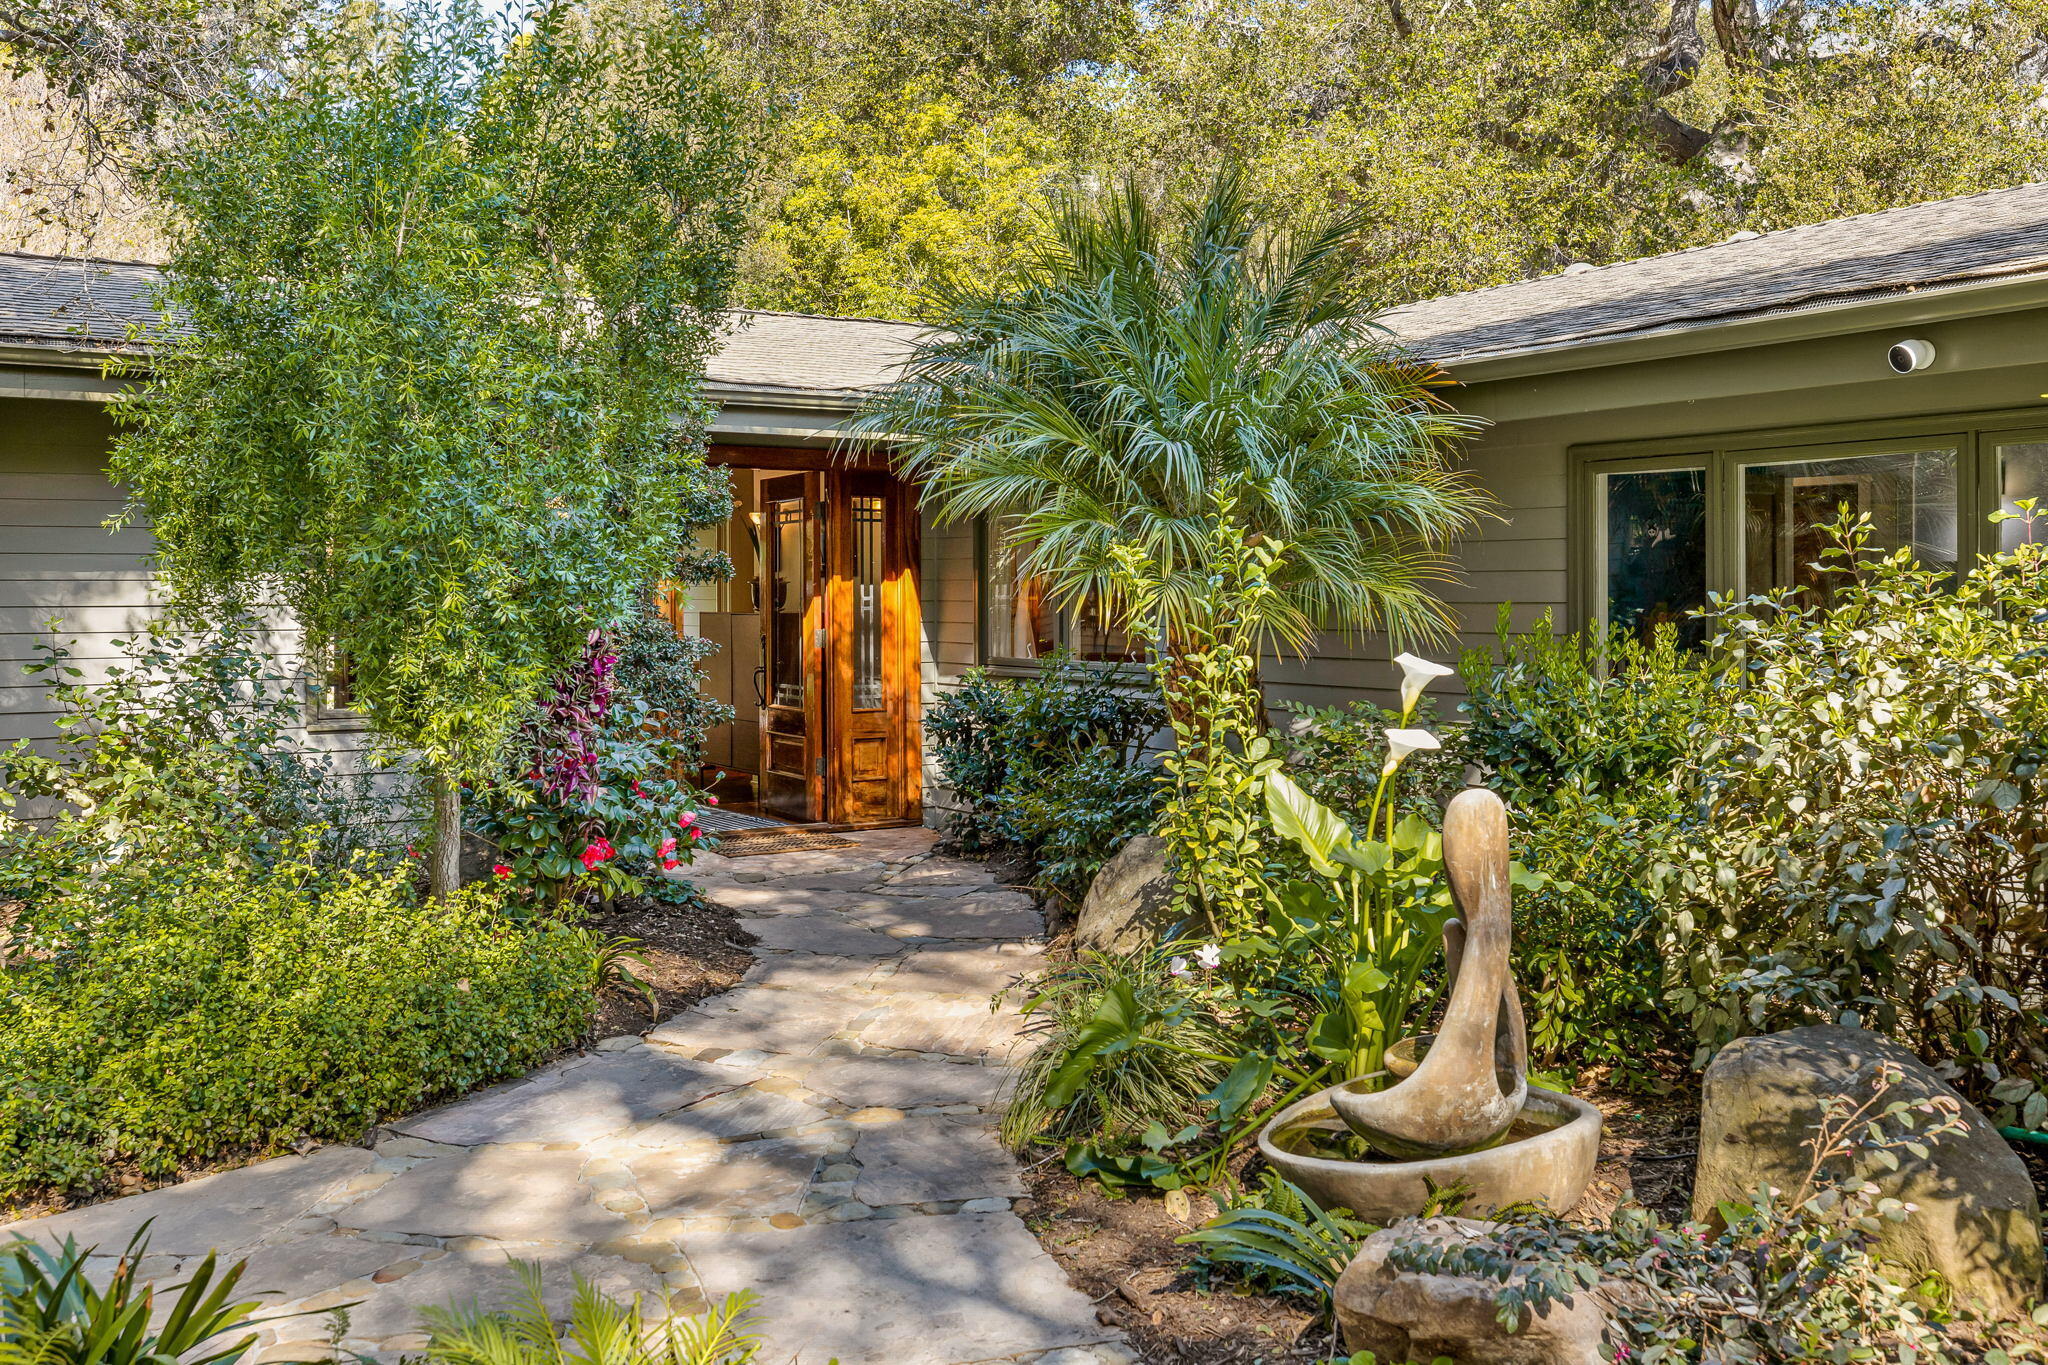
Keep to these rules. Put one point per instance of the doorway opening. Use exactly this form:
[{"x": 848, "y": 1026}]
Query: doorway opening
[{"x": 815, "y": 641}]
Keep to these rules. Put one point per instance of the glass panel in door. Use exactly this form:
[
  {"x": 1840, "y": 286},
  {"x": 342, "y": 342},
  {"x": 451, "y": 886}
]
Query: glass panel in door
[{"x": 792, "y": 779}]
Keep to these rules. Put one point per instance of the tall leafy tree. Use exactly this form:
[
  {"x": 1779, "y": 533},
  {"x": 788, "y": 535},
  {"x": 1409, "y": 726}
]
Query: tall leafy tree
[
  {"x": 1155, "y": 367},
  {"x": 440, "y": 297}
]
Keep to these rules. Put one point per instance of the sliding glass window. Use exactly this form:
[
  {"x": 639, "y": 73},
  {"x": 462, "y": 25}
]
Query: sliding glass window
[{"x": 1664, "y": 527}]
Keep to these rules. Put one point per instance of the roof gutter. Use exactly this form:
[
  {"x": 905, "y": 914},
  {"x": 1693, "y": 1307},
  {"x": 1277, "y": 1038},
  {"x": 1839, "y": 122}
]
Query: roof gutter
[{"x": 1976, "y": 298}]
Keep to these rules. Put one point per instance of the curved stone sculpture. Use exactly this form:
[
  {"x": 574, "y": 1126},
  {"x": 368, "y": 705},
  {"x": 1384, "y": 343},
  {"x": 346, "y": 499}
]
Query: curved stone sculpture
[{"x": 1470, "y": 1085}]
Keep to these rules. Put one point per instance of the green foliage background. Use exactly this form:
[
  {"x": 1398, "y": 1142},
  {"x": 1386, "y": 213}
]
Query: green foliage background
[{"x": 1485, "y": 142}]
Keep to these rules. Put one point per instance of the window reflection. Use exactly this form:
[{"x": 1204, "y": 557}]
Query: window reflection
[
  {"x": 1023, "y": 622},
  {"x": 2022, "y": 474},
  {"x": 1909, "y": 497},
  {"x": 1657, "y": 550}
]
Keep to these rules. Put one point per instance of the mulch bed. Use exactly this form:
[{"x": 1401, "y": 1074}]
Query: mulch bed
[
  {"x": 1122, "y": 1252},
  {"x": 687, "y": 953}
]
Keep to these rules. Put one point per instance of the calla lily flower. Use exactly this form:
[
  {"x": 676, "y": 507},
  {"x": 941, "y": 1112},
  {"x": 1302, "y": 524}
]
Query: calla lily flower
[
  {"x": 1416, "y": 674},
  {"x": 1401, "y": 743}
]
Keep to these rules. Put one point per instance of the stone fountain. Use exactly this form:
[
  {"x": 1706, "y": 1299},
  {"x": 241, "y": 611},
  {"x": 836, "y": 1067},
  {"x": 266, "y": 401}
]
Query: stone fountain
[{"x": 1459, "y": 1109}]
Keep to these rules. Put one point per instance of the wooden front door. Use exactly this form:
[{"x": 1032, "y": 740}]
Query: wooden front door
[
  {"x": 872, "y": 763},
  {"x": 839, "y": 627},
  {"x": 792, "y": 654}
]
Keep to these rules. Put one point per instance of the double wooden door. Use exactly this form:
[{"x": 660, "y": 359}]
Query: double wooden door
[{"x": 838, "y": 722}]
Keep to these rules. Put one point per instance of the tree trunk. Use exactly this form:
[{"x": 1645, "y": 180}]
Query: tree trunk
[{"x": 444, "y": 858}]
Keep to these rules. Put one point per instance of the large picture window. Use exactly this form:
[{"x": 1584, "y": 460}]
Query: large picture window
[
  {"x": 1665, "y": 528},
  {"x": 1021, "y": 624}
]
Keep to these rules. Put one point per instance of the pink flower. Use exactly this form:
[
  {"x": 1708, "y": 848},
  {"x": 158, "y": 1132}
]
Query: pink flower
[
  {"x": 669, "y": 861},
  {"x": 636, "y": 788},
  {"x": 500, "y": 871},
  {"x": 686, "y": 819},
  {"x": 712, "y": 799},
  {"x": 599, "y": 851}
]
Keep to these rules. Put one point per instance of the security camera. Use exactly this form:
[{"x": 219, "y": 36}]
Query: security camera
[{"x": 1907, "y": 356}]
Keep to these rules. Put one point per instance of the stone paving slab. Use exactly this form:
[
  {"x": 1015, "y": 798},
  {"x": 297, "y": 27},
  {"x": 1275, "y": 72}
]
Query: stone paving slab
[
  {"x": 299, "y": 1267},
  {"x": 222, "y": 1211},
  {"x": 820, "y": 933},
  {"x": 964, "y": 968},
  {"x": 746, "y": 1113},
  {"x": 496, "y": 1192},
  {"x": 577, "y": 1103},
  {"x": 997, "y": 915},
  {"x": 756, "y": 1017},
  {"x": 745, "y": 1179},
  {"x": 927, "y": 1160},
  {"x": 814, "y": 972},
  {"x": 486, "y": 1274},
  {"x": 900, "y": 1291},
  {"x": 950, "y": 1028},
  {"x": 884, "y": 1081}
]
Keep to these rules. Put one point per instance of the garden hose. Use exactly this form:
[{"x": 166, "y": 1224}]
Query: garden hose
[{"x": 2039, "y": 1139}]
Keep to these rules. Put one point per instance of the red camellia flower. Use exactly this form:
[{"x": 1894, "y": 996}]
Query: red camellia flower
[
  {"x": 600, "y": 850},
  {"x": 500, "y": 871},
  {"x": 712, "y": 799},
  {"x": 669, "y": 861},
  {"x": 686, "y": 819}
]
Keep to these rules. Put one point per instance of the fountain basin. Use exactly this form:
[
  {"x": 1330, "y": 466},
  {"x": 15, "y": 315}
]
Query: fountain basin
[{"x": 1547, "y": 1157}]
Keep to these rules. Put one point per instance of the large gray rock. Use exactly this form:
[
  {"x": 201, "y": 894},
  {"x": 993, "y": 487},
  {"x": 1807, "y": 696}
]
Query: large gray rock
[
  {"x": 1404, "y": 1315},
  {"x": 1128, "y": 905},
  {"x": 1976, "y": 1222}
]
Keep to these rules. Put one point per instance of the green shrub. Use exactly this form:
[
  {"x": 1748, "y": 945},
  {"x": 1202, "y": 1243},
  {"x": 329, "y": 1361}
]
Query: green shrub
[
  {"x": 1336, "y": 753},
  {"x": 591, "y": 804},
  {"x": 186, "y": 746},
  {"x": 1051, "y": 764},
  {"x": 190, "y": 1008},
  {"x": 1587, "y": 739},
  {"x": 1872, "y": 840}
]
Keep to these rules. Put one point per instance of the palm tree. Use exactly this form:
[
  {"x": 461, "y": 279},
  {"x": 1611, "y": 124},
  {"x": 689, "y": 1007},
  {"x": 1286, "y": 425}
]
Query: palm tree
[{"x": 1149, "y": 370}]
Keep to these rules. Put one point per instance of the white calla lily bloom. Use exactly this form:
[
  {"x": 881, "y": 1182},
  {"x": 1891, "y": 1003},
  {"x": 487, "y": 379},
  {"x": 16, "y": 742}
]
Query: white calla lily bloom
[
  {"x": 1417, "y": 674},
  {"x": 1401, "y": 743}
]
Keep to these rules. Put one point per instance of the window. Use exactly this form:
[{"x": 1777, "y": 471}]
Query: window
[
  {"x": 1909, "y": 497},
  {"x": 1667, "y": 527},
  {"x": 2022, "y": 472},
  {"x": 1656, "y": 569},
  {"x": 1021, "y": 623}
]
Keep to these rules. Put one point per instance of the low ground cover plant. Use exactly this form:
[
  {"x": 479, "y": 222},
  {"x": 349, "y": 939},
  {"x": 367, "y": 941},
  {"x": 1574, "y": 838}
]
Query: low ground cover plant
[
  {"x": 186, "y": 1010},
  {"x": 205, "y": 951}
]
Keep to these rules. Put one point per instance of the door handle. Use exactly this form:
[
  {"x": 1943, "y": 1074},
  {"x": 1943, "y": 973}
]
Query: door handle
[{"x": 760, "y": 685}]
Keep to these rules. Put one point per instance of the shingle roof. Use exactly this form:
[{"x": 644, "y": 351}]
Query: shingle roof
[
  {"x": 45, "y": 301},
  {"x": 68, "y": 304},
  {"x": 1873, "y": 255}
]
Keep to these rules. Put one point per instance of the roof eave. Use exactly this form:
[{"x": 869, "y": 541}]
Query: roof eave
[{"x": 1931, "y": 303}]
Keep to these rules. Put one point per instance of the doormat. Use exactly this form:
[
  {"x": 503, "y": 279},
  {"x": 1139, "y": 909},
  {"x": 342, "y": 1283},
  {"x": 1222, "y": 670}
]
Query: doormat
[
  {"x": 724, "y": 821},
  {"x": 754, "y": 843}
]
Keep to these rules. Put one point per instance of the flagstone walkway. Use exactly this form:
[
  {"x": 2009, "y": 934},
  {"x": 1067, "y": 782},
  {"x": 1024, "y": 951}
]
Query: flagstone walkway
[{"x": 822, "y": 1135}]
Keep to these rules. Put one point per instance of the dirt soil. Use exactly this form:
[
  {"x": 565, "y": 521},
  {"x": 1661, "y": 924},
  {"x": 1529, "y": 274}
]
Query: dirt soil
[
  {"x": 686, "y": 954},
  {"x": 1122, "y": 1253}
]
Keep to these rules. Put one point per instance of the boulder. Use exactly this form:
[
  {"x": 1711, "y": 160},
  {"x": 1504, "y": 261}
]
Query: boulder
[
  {"x": 1402, "y": 1315},
  {"x": 1127, "y": 907},
  {"x": 1976, "y": 1221}
]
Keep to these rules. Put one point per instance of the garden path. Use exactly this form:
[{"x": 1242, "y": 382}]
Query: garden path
[{"x": 822, "y": 1135}]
